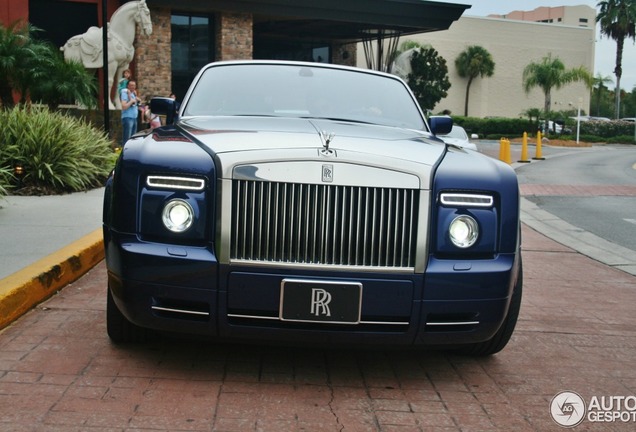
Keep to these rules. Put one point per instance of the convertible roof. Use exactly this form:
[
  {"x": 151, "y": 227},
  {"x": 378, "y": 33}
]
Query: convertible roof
[{"x": 352, "y": 20}]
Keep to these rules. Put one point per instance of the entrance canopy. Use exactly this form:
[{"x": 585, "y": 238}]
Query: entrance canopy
[{"x": 333, "y": 20}]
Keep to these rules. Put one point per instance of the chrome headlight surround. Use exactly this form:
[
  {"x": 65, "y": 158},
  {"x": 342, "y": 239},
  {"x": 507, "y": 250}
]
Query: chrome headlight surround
[
  {"x": 177, "y": 215},
  {"x": 463, "y": 231}
]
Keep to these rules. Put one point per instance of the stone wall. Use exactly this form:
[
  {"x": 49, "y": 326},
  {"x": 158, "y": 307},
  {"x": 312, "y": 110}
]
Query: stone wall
[
  {"x": 344, "y": 54},
  {"x": 152, "y": 69},
  {"x": 234, "y": 36}
]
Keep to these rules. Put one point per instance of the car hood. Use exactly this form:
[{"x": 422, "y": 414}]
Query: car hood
[
  {"x": 459, "y": 143},
  {"x": 295, "y": 142}
]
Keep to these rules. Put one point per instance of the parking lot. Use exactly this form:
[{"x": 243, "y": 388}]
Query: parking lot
[{"x": 577, "y": 332}]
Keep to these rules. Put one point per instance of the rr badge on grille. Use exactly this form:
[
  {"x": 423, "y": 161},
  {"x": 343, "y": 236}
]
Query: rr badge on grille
[{"x": 327, "y": 173}]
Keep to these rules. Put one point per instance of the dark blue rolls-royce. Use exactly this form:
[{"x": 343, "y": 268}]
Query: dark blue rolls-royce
[{"x": 310, "y": 203}]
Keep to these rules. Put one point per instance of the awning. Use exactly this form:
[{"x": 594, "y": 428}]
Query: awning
[{"x": 331, "y": 20}]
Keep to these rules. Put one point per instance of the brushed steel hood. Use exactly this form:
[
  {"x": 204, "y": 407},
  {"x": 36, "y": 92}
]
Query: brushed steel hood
[{"x": 283, "y": 148}]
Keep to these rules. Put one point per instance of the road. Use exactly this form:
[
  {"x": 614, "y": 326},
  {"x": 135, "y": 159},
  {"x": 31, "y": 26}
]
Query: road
[{"x": 593, "y": 189}]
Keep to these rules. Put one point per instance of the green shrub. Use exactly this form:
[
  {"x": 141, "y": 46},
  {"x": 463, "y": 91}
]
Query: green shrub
[
  {"x": 621, "y": 139},
  {"x": 607, "y": 129},
  {"x": 590, "y": 138},
  {"x": 5, "y": 179},
  {"x": 595, "y": 131},
  {"x": 59, "y": 153},
  {"x": 499, "y": 126}
]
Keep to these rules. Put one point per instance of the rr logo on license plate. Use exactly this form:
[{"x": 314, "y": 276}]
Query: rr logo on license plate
[{"x": 320, "y": 301}]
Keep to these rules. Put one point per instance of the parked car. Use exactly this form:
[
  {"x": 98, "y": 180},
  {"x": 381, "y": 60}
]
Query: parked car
[
  {"x": 311, "y": 204},
  {"x": 585, "y": 118},
  {"x": 557, "y": 127},
  {"x": 458, "y": 136}
]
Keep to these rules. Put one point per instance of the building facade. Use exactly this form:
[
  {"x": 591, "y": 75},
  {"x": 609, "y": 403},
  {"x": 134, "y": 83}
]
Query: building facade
[
  {"x": 190, "y": 33},
  {"x": 581, "y": 16},
  {"x": 513, "y": 45}
]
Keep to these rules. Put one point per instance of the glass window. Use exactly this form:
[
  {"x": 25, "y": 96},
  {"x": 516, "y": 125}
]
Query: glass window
[
  {"x": 278, "y": 49},
  {"x": 192, "y": 48}
]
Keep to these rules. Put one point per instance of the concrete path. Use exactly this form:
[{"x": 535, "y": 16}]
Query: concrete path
[{"x": 33, "y": 227}]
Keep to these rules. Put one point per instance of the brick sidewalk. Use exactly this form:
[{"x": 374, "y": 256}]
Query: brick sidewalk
[
  {"x": 577, "y": 190},
  {"x": 577, "y": 331}
]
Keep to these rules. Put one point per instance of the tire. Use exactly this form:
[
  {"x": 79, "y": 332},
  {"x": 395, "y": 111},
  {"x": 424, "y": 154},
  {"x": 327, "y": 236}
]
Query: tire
[
  {"x": 501, "y": 338},
  {"x": 119, "y": 329}
]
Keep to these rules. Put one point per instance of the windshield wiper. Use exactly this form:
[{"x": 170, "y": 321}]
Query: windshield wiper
[{"x": 337, "y": 119}]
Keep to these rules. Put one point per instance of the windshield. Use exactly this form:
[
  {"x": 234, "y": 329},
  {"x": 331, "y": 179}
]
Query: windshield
[{"x": 285, "y": 90}]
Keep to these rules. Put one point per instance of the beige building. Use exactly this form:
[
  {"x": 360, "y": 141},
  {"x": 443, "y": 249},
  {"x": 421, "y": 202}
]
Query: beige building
[
  {"x": 513, "y": 44},
  {"x": 582, "y": 16}
]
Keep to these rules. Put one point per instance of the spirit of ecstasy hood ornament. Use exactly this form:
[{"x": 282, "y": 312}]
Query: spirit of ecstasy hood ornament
[{"x": 327, "y": 137}]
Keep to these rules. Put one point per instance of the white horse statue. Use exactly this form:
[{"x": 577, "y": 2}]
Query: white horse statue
[{"x": 87, "y": 48}]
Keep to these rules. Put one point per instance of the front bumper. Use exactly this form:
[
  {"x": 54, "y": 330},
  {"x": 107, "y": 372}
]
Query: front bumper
[{"x": 186, "y": 290}]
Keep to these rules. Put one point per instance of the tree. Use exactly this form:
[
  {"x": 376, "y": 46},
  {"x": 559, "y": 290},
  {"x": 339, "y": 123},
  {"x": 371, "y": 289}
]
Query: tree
[
  {"x": 628, "y": 105},
  {"x": 36, "y": 69},
  {"x": 599, "y": 83},
  {"x": 14, "y": 50},
  {"x": 401, "y": 63},
  {"x": 534, "y": 114},
  {"x": 67, "y": 82},
  {"x": 471, "y": 63},
  {"x": 550, "y": 73},
  {"x": 617, "y": 19},
  {"x": 428, "y": 78}
]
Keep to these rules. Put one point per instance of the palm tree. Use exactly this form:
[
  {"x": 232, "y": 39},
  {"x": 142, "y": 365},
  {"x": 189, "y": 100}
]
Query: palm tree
[
  {"x": 67, "y": 82},
  {"x": 550, "y": 73},
  {"x": 617, "y": 19},
  {"x": 36, "y": 69},
  {"x": 471, "y": 63},
  {"x": 14, "y": 49},
  {"x": 600, "y": 84}
]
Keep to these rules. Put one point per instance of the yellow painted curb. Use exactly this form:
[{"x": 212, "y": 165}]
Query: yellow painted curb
[{"x": 22, "y": 290}]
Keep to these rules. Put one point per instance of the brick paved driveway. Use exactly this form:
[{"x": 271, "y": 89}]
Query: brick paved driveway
[{"x": 577, "y": 331}]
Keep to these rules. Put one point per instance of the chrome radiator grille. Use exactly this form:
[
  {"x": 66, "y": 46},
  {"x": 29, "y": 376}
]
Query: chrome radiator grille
[{"x": 323, "y": 224}]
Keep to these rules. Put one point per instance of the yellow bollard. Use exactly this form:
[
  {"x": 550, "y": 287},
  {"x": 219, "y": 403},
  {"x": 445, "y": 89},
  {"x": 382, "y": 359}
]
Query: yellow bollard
[
  {"x": 508, "y": 159},
  {"x": 504, "y": 150},
  {"x": 538, "y": 155},
  {"x": 524, "y": 149}
]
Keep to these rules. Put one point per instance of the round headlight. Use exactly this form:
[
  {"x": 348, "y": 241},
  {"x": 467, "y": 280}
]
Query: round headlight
[
  {"x": 463, "y": 231},
  {"x": 177, "y": 215}
]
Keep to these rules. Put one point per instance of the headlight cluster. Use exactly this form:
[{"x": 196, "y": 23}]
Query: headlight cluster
[
  {"x": 459, "y": 215},
  {"x": 174, "y": 209}
]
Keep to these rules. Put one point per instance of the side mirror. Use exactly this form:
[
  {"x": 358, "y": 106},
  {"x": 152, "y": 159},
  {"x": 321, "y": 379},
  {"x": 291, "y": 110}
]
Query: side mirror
[
  {"x": 164, "y": 106},
  {"x": 440, "y": 125}
]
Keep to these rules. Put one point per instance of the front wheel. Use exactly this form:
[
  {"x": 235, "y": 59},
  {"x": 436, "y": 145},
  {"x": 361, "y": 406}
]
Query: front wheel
[
  {"x": 501, "y": 338},
  {"x": 119, "y": 329}
]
